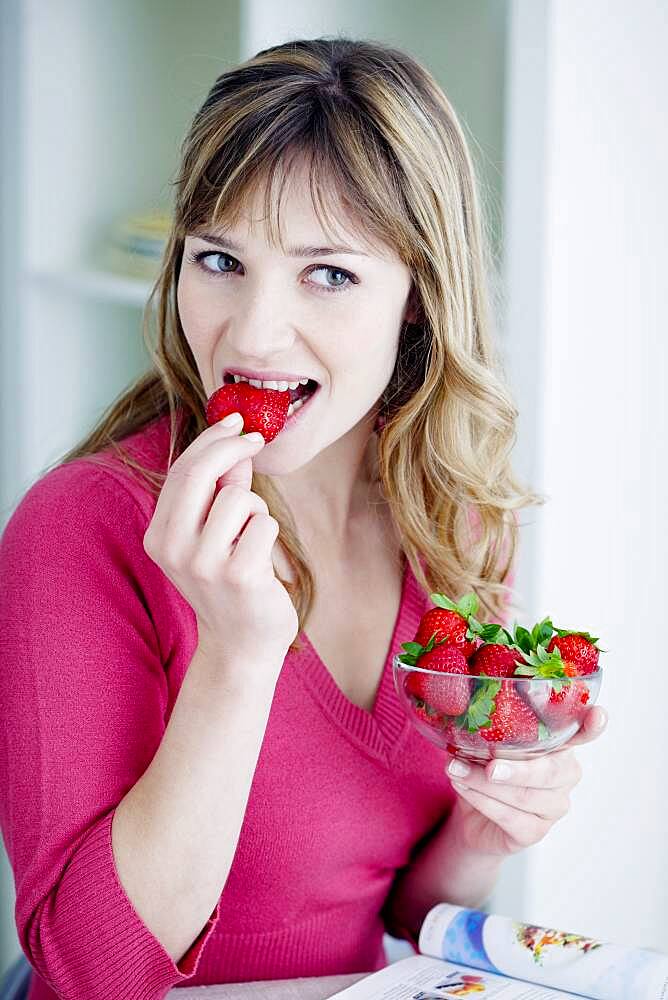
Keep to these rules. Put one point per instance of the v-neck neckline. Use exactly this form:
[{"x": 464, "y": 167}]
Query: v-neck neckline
[{"x": 380, "y": 730}]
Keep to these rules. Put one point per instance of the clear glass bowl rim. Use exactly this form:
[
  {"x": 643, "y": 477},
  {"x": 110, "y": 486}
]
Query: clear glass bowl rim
[{"x": 398, "y": 665}]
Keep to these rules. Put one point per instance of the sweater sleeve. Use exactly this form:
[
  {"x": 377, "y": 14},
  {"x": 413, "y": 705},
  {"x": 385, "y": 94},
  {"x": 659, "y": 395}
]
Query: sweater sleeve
[{"x": 84, "y": 695}]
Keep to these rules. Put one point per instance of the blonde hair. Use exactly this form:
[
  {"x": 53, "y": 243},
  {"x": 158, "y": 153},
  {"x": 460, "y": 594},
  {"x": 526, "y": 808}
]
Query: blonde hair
[{"x": 374, "y": 125}]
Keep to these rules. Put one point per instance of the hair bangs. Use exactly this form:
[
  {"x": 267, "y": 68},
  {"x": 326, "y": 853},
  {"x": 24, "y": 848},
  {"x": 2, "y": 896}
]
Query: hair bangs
[{"x": 349, "y": 175}]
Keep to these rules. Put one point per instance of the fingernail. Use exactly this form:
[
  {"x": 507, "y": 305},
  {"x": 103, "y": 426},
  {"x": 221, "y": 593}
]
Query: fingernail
[
  {"x": 458, "y": 769},
  {"x": 254, "y": 437},
  {"x": 501, "y": 772},
  {"x": 601, "y": 720},
  {"x": 459, "y": 786},
  {"x": 231, "y": 418}
]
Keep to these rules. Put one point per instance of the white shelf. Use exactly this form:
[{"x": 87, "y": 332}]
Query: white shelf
[{"x": 101, "y": 285}]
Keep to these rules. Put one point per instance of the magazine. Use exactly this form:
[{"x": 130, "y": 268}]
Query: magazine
[{"x": 468, "y": 953}]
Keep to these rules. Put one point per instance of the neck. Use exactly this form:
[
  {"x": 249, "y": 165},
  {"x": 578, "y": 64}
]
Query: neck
[{"x": 330, "y": 508}]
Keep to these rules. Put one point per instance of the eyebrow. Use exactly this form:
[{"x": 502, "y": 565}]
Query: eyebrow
[{"x": 297, "y": 251}]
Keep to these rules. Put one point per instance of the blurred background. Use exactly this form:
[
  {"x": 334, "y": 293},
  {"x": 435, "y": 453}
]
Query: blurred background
[{"x": 562, "y": 103}]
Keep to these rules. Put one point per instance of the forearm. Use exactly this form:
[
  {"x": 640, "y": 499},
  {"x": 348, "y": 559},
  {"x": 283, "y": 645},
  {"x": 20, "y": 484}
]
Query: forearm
[
  {"x": 174, "y": 834},
  {"x": 445, "y": 870}
]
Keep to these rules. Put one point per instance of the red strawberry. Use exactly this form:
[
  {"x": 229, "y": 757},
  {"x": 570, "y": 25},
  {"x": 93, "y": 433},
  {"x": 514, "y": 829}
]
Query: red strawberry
[
  {"x": 431, "y": 717},
  {"x": 459, "y": 740},
  {"x": 494, "y": 660},
  {"x": 446, "y": 626},
  {"x": 449, "y": 695},
  {"x": 579, "y": 653},
  {"x": 566, "y": 706},
  {"x": 263, "y": 410},
  {"x": 512, "y": 719}
]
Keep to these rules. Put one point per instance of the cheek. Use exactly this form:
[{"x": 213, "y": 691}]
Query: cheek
[{"x": 192, "y": 313}]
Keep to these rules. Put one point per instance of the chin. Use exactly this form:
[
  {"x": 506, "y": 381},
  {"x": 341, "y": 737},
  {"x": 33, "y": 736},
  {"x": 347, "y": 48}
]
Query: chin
[{"x": 279, "y": 465}]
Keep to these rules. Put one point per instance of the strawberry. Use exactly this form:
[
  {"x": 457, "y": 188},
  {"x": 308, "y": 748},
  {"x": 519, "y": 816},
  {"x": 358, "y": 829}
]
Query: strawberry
[
  {"x": 428, "y": 715},
  {"x": 449, "y": 695},
  {"x": 263, "y": 410},
  {"x": 577, "y": 650},
  {"x": 495, "y": 659},
  {"x": 566, "y": 706},
  {"x": 459, "y": 740},
  {"x": 450, "y": 622},
  {"x": 512, "y": 719}
]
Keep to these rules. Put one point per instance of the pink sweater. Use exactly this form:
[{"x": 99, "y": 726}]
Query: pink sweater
[{"x": 94, "y": 644}]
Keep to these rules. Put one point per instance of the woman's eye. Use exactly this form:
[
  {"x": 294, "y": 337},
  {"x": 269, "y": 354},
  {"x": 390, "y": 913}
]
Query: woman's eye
[
  {"x": 342, "y": 279},
  {"x": 347, "y": 278},
  {"x": 199, "y": 258}
]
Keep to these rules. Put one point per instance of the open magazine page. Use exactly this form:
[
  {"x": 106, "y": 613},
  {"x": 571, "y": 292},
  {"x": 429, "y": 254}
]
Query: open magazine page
[
  {"x": 570, "y": 962},
  {"x": 422, "y": 978}
]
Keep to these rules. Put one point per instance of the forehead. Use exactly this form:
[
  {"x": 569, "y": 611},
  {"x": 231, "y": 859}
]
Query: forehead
[{"x": 296, "y": 206}]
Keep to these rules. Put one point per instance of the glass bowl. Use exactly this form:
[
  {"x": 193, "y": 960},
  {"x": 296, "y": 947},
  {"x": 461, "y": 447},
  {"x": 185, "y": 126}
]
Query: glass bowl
[{"x": 527, "y": 716}]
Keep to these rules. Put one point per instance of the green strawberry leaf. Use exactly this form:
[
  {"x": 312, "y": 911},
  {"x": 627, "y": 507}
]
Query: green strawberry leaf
[
  {"x": 492, "y": 632},
  {"x": 542, "y": 632},
  {"x": 474, "y": 626},
  {"x": 441, "y": 601},
  {"x": 413, "y": 651},
  {"x": 468, "y": 605},
  {"x": 431, "y": 642},
  {"x": 563, "y": 682},
  {"x": 523, "y": 639},
  {"x": 481, "y": 707},
  {"x": 543, "y": 731},
  {"x": 465, "y": 607}
]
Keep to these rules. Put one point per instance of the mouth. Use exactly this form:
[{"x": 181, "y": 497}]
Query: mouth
[{"x": 298, "y": 397}]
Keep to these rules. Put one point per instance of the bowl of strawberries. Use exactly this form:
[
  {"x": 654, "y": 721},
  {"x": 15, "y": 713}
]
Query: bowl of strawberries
[{"x": 480, "y": 690}]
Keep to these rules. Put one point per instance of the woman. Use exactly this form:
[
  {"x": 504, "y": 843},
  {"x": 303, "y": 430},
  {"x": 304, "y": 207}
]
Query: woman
[{"x": 209, "y": 775}]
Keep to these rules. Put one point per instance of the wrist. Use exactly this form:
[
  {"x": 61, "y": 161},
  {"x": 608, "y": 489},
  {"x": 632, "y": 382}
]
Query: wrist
[{"x": 233, "y": 668}]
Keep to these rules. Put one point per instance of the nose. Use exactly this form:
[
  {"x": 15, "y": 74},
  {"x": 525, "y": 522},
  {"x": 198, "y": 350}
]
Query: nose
[{"x": 260, "y": 328}]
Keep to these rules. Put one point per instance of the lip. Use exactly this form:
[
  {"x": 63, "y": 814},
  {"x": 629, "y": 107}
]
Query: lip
[
  {"x": 295, "y": 417},
  {"x": 266, "y": 376}
]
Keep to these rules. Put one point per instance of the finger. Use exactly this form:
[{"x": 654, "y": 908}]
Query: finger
[
  {"x": 546, "y": 803},
  {"x": 187, "y": 493},
  {"x": 593, "y": 724},
  {"x": 559, "y": 769},
  {"x": 230, "y": 512},
  {"x": 522, "y": 828},
  {"x": 252, "y": 555}
]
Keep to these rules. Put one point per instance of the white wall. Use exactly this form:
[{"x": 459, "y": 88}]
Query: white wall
[{"x": 588, "y": 305}]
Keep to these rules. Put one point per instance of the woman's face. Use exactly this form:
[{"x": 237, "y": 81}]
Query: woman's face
[{"x": 334, "y": 318}]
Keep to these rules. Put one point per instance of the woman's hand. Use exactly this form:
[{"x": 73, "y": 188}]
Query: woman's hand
[
  {"x": 216, "y": 548},
  {"x": 500, "y": 817}
]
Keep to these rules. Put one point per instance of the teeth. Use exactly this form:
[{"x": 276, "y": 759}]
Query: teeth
[
  {"x": 295, "y": 406},
  {"x": 282, "y": 386}
]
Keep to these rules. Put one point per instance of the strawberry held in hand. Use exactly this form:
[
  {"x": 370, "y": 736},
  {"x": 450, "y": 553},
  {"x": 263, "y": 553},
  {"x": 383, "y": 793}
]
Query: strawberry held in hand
[{"x": 263, "y": 410}]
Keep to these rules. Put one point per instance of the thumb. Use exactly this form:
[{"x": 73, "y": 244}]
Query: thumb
[{"x": 241, "y": 474}]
